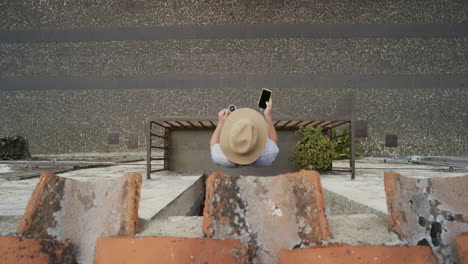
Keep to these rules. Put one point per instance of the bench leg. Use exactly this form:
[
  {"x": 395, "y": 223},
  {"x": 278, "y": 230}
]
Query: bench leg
[{"x": 352, "y": 162}]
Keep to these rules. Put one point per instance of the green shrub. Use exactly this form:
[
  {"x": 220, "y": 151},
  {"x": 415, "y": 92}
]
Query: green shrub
[
  {"x": 314, "y": 150},
  {"x": 13, "y": 148}
]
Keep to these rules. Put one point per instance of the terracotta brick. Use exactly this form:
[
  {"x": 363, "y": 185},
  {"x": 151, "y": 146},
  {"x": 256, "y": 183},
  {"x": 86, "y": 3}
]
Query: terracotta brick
[
  {"x": 21, "y": 250},
  {"x": 462, "y": 248},
  {"x": 177, "y": 250},
  {"x": 346, "y": 254},
  {"x": 267, "y": 213},
  {"x": 428, "y": 211},
  {"x": 81, "y": 211}
]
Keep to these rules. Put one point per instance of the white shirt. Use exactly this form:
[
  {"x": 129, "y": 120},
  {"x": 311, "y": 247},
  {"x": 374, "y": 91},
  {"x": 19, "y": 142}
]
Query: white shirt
[{"x": 265, "y": 159}]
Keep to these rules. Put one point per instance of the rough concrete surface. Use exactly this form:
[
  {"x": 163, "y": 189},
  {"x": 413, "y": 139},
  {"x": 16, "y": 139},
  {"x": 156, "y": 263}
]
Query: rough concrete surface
[
  {"x": 177, "y": 226},
  {"x": 34, "y": 251},
  {"x": 237, "y": 56},
  {"x": 338, "y": 204},
  {"x": 268, "y": 213},
  {"x": 146, "y": 250},
  {"x": 111, "y": 13},
  {"x": 345, "y": 254},
  {"x": 8, "y": 225},
  {"x": 367, "y": 229},
  {"x": 430, "y": 212},
  {"x": 80, "y": 211}
]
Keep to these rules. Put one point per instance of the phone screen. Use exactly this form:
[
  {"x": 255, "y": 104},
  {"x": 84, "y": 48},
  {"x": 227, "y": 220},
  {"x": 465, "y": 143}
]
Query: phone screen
[{"x": 264, "y": 97}]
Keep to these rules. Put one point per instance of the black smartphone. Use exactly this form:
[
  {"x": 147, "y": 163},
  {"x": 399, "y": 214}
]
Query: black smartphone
[{"x": 264, "y": 97}]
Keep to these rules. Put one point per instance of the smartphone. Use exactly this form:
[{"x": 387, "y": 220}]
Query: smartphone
[{"x": 264, "y": 97}]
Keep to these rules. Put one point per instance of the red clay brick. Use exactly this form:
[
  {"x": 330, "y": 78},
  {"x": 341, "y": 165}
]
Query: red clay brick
[
  {"x": 28, "y": 221},
  {"x": 462, "y": 248},
  {"x": 268, "y": 213},
  {"x": 428, "y": 211},
  {"x": 81, "y": 211},
  {"x": 346, "y": 254},
  {"x": 177, "y": 250},
  {"x": 21, "y": 250}
]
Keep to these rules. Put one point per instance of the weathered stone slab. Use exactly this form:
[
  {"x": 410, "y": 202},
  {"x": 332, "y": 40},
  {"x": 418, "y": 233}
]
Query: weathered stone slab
[
  {"x": 428, "y": 211},
  {"x": 346, "y": 254},
  {"x": 146, "y": 250},
  {"x": 462, "y": 248},
  {"x": 268, "y": 213},
  {"x": 81, "y": 211},
  {"x": 34, "y": 251}
]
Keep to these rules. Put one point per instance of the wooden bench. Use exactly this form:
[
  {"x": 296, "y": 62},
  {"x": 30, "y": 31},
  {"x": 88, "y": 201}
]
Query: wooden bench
[{"x": 168, "y": 124}]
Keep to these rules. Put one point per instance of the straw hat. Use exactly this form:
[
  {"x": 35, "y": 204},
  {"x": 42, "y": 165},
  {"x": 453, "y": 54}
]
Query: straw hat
[{"x": 243, "y": 136}]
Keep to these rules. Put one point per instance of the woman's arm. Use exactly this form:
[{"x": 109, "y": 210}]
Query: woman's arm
[
  {"x": 222, "y": 115},
  {"x": 269, "y": 120}
]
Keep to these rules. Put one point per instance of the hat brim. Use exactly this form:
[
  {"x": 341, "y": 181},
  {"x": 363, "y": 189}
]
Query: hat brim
[{"x": 261, "y": 127}]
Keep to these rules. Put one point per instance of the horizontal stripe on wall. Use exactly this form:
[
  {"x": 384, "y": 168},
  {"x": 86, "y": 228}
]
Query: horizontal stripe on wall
[
  {"x": 237, "y": 31},
  {"x": 190, "y": 81}
]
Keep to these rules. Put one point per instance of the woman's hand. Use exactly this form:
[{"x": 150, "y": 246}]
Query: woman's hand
[
  {"x": 268, "y": 111},
  {"x": 222, "y": 115}
]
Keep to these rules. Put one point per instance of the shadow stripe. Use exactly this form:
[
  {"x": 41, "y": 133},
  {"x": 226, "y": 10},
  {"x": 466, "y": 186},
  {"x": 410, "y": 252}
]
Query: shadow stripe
[
  {"x": 216, "y": 81},
  {"x": 237, "y": 31}
]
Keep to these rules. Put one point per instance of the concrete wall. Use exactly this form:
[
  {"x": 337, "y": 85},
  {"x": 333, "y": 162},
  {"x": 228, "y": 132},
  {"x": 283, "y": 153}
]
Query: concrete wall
[{"x": 83, "y": 76}]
